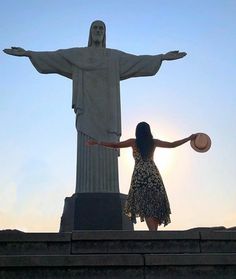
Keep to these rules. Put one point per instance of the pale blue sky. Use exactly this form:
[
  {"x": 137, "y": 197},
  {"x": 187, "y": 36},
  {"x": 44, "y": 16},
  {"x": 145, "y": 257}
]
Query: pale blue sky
[{"x": 194, "y": 94}]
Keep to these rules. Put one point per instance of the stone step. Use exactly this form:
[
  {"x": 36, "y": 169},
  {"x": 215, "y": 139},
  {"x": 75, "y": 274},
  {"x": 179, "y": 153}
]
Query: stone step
[
  {"x": 196, "y": 253},
  {"x": 121, "y": 242},
  {"x": 72, "y": 260},
  {"x": 118, "y": 260},
  {"x": 148, "y": 266},
  {"x": 19, "y": 243},
  {"x": 137, "y": 242}
]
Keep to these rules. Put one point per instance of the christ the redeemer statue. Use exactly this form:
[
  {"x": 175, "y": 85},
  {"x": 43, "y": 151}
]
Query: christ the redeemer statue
[{"x": 96, "y": 72}]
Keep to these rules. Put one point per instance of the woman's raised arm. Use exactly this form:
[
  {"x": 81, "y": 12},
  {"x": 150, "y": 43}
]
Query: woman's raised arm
[{"x": 167, "y": 144}]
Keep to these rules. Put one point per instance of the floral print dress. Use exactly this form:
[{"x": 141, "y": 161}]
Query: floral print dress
[{"x": 147, "y": 195}]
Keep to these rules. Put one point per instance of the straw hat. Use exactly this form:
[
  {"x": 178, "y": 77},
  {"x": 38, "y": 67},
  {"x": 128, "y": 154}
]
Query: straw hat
[{"x": 201, "y": 143}]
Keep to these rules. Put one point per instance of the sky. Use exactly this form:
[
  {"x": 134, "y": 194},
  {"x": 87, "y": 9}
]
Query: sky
[{"x": 193, "y": 94}]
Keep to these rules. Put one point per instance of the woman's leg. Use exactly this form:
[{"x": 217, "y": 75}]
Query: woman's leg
[
  {"x": 152, "y": 223},
  {"x": 156, "y": 223}
]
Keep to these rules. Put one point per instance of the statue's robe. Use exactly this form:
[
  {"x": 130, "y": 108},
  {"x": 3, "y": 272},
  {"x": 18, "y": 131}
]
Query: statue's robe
[{"x": 96, "y": 75}]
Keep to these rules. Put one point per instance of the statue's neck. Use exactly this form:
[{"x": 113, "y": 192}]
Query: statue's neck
[{"x": 97, "y": 44}]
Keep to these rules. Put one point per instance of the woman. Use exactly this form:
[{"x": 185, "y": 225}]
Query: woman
[{"x": 147, "y": 197}]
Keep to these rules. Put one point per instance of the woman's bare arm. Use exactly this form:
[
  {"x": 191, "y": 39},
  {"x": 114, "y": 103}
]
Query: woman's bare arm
[
  {"x": 167, "y": 144},
  {"x": 122, "y": 144}
]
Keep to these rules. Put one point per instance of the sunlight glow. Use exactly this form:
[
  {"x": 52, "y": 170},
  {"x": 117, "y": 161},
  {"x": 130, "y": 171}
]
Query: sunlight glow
[{"x": 164, "y": 160}]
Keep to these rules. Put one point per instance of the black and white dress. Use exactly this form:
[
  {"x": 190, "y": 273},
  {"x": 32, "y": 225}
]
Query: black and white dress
[{"x": 147, "y": 195}]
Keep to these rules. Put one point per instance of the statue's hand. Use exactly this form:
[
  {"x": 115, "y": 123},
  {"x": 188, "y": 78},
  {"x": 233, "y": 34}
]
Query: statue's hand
[
  {"x": 172, "y": 55},
  {"x": 16, "y": 51}
]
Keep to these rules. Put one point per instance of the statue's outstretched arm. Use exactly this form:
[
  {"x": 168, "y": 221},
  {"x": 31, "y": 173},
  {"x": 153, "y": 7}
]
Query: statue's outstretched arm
[
  {"x": 17, "y": 51},
  {"x": 173, "y": 55},
  {"x": 45, "y": 62}
]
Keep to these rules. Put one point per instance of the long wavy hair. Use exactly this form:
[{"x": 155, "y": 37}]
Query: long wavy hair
[
  {"x": 144, "y": 140},
  {"x": 90, "y": 33}
]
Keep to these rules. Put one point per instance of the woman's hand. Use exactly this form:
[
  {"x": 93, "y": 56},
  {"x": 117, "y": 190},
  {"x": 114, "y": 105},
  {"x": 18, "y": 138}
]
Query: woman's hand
[{"x": 193, "y": 136}]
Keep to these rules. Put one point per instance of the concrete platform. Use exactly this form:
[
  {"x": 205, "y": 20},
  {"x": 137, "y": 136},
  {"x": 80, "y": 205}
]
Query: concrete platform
[{"x": 119, "y": 254}]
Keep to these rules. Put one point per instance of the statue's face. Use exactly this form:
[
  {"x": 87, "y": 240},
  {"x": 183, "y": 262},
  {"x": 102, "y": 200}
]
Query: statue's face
[{"x": 97, "y": 32}]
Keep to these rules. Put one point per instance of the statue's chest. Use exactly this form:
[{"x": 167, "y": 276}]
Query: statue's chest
[{"x": 97, "y": 58}]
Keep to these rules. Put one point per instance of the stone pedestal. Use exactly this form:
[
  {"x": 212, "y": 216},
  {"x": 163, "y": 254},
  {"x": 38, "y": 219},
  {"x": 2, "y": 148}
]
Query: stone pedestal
[{"x": 94, "y": 211}]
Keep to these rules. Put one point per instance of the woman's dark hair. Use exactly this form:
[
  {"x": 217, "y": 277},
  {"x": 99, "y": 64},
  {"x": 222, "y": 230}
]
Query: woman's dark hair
[{"x": 144, "y": 140}]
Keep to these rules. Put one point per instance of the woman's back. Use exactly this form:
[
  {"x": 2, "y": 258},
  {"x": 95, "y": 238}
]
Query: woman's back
[{"x": 137, "y": 154}]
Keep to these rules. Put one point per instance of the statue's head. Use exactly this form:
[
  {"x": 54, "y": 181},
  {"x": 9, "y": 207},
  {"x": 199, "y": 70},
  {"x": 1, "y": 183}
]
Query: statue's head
[{"x": 97, "y": 34}]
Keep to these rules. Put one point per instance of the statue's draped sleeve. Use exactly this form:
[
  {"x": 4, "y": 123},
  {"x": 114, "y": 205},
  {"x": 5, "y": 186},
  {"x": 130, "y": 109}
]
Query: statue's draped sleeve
[
  {"x": 138, "y": 65},
  {"x": 62, "y": 62},
  {"x": 47, "y": 62}
]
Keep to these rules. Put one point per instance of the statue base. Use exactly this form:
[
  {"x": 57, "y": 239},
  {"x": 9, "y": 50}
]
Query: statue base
[{"x": 95, "y": 211}]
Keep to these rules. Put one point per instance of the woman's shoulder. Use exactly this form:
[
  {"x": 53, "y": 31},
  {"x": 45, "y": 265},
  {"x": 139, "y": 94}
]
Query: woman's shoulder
[
  {"x": 126, "y": 143},
  {"x": 132, "y": 141},
  {"x": 156, "y": 142}
]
